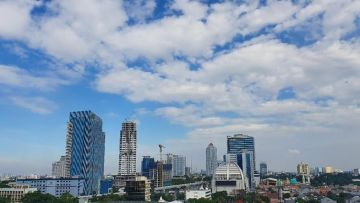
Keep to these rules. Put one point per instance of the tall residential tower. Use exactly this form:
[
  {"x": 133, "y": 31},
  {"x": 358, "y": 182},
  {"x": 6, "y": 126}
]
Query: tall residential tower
[
  {"x": 127, "y": 155},
  {"x": 85, "y": 149},
  {"x": 211, "y": 159}
]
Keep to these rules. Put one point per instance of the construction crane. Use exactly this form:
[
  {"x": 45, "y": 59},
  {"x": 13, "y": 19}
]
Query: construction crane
[{"x": 161, "y": 150}]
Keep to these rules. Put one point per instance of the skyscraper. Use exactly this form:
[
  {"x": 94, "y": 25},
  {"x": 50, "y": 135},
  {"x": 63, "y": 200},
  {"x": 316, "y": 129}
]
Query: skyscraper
[
  {"x": 178, "y": 165},
  {"x": 85, "y": 149},
  {"x": 245, "y": 161},
  {"x": 127, "y": 155},
  {"x": 211, "y": 159},
  {"x": 239, "y": 142},
  {"x": 244, "y": 147},
  {"x": 263, "y": 169},
  {"x": 58, "y": 167},
  {"x": 147, "y": 164}
]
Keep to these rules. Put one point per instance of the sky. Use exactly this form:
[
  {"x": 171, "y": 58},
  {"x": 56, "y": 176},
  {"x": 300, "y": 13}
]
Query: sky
[{"x": 188, "y": 72}]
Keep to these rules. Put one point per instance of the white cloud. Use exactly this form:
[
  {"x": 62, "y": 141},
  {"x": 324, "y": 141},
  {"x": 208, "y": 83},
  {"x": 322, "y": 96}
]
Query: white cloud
[
  {"x": 16, "y": 77},
  {"x": 293, "y": 151},
  {"x": 38, "y": 105}
]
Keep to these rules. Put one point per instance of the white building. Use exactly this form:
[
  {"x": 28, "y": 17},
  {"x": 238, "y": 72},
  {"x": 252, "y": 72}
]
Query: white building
[
  {"x": 59, "y": 167},
  {"x": 127, "y": 155},
  {"x": 178, "y": 165},
  {"x": 55, "y": 186},
  {"x": 16, "y": 193},
  {"x": 211, "y": 159},
  {"x": 228, "y": 177},
  {"x": 197, "y": 194}
]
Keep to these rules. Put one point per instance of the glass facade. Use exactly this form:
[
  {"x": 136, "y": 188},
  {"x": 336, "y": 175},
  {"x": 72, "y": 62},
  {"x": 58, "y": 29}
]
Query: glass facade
[
  {"x": 85, "y": 149},
  {"x": 245, "y": 162},
  {"x": 147, "y": 164}
]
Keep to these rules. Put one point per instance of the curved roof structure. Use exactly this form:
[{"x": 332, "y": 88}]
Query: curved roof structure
[{"x": 228, "y": 171}]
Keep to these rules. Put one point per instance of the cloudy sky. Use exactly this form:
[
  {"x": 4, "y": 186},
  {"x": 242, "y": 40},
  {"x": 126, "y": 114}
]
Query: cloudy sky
[{"x": 189, "y": 72}]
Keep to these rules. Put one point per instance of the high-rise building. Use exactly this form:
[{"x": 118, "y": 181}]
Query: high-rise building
[
  {"x": 244, "y": 147},
  {"x": 263, "y": 169},
  {"x": 85, "y": 149},
  {"x": 138, "y": 189},
  {"x": 58, "y": 167},
  {"x": 211, "y": 159},
  {"x": 239, "y": 142},
  {"x": 127, "y": 155},
  {"x": 245, "y": 161},
  {"x": 147, "y": 164},
  {"x": 303, "y": 169},
  {"x": 178, "y": 165}
]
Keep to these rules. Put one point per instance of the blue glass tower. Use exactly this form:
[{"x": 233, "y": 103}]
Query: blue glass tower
[
  {"x": 147, "y": 164},
  {"x": 85, "y": 149},
  {"x": 244, "y": 148}
]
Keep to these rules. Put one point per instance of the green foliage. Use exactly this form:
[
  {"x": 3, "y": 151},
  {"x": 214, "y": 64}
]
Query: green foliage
[
  {"x": 333, "y": 179},
  {"x": 286, "y": 195},
  {"x": 180, "y": 196},
  {"x": 299, "y": 200},
  {"x": 166, "y": 196},
  {"x": 3, "y": 184},
  {"x": 4, "y": 200},
  {"x": 67, "y": 198},
  {"x": 107, "y": 198},
  {"x": 201, "y": 200},
  {"x": 37, "y": 197}
]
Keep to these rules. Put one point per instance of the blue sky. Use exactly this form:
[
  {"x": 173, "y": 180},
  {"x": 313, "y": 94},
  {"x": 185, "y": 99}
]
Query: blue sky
[{"x": 189, "y": 72}]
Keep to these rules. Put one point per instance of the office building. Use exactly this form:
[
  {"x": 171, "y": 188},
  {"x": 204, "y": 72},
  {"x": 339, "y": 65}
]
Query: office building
[
  {"x": 85, "y": 149},
  {"x": 239, "y": 142},
  {"x": 245, "y": 162},
  {"x": 197, "y": 194},
  {"x": 228, "y": 177},
  {"x": 16, "y": 193},
  {"x": 138, "y": 189},
  {"x": 228, "y": 158},
  {"x": 59, "y": 168},
  {"x": 127, "y": 154},
  {"x": 303, "y": 170},
  {"x": 356, "y": 172},
  {"x": 263, "y": 169},
  {"x": 55, "y": 186},
  {"x": 211, "y": 159},
  {"x": 106, "y": 186},
  {"x": 167, "y": 174},
  {"x": 188, "y": 171},
  {"x": 178, "y": 165},
  {"x": 147, "y": 164},
  {"x": 328, "y": 170}
]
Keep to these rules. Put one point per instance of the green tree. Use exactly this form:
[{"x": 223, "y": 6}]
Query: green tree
[
  {"x": 67, "y": 198},
  {"x": 4, "y": 200},
  {"x": 4, "y": 184},
  {"x": 108, "y": 198},
  {"x": 37, "y": 197}
]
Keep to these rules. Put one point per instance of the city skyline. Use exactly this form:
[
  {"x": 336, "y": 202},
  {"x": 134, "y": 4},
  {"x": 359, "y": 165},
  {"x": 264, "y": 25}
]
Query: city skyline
[{"x": 188, "y": 72}]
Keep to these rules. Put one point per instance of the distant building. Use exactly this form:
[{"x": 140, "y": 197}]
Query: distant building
[
  {"x": 263, "y": 169},
  {"x": 120, "y": 180},
  {"x": 56, "y": 186},
  {"x": 328, "y": 169},
  {"x": 327, "y": 200},
  {"x": 127, "y": 154},
  {"x": 228, "y": 177},
  {"x": 240, "y": 142},
  {"x": 245, "y": 162},
  {"x": 167, "y": 174},
  {"x": 303, "y": 168},
  {"x": 197, "y": 194},
  {"x": 85, "y": 149},
  {"x": 256, "y": 178},
  {"x": 178, "y": 165},
  {"x": 356, "y": 172},
  {"x": 211, "y": 159},
  {"x": 106, "y": 186},
  {"x": 188, "y": 171},
  {"x": 59, "y": 168},
  {"x": 147, "y": 164},
  {"x": 138, "y": 189},
  {"x": 16, "y": 193},
  {"x": 228, "y": 158}
]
